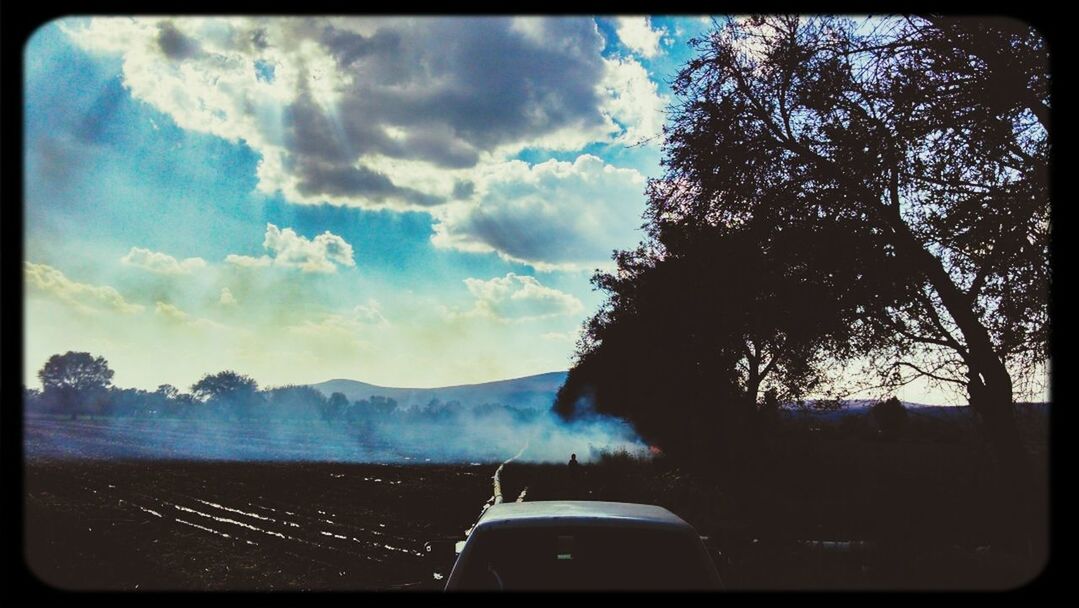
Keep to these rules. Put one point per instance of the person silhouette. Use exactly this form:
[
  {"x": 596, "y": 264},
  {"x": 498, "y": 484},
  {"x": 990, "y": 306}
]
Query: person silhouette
[{"x": 573, "y": 483}]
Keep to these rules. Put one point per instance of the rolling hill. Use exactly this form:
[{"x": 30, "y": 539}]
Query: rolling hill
[{"x": 535, "y": 392}]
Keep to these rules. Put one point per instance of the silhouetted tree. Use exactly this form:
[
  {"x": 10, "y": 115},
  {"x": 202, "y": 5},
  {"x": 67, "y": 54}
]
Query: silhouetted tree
[
  {"x": 891, "y": 417},
  {"x": 296, "y": 402},
  {"x": 234, "y": 393},
  {"x": 171, "y": 402},
  {"x": 382, "y": 406},
  {"x": 167, "y": 391},
  {"x": 699, "y": 321},
  {"x": 335, "y": 406},
  {"x": 769, "y": 408},
  {"x": 75, "y": 382},
  {"x": 130, "y": 402},
  {"x": 929, "y": 132},
  {"x": 31, "y": 400}
]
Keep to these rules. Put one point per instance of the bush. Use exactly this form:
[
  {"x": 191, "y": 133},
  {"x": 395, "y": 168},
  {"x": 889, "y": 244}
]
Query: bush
[{"x": 891, "y": 417}]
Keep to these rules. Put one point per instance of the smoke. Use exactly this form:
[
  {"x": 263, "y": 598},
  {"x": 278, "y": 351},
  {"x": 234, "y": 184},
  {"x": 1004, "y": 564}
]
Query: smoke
[{"x": 262, "y": 432}]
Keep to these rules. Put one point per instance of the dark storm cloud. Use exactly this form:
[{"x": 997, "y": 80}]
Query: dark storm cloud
[
  {"x": 320, "y": 179},
  {"x": 530, "y": 236},
  {"x": 174, "y": 44},
  {"x": 488, "y": 82},
  {"x": 258, "y": 39},
  {"x": 449, "y": 89},
  {"x": 463, "y": 189},
  {"x": 347, "y": 46},
  {"x": 335, "y": 95}
]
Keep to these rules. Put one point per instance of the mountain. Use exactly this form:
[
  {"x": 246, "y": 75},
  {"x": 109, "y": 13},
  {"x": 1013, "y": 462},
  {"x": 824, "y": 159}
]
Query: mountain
[
  {"x": 536, "y": 392},
  {"x": 862, "y": 406}
]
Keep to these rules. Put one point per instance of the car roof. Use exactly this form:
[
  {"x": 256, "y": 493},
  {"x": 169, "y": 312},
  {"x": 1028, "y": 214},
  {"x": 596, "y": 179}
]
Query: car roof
[{"x": 577, "y": 512}]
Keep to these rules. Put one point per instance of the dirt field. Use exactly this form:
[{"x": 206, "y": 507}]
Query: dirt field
[
  {"x": 144, "y": 522},
  {"x": 221, "y": 525}
]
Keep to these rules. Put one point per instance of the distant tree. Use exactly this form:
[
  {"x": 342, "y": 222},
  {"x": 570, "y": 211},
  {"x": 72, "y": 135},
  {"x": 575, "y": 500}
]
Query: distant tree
[
  {"x": 335, "y": 406},
  {"x": 853, "y": 425},
  {"x": 223, "y": 384},
  {"x": 75, "y": 382},
  {"x": 298, "y": 402},
  {"x": 167, "y": 391},
  {"x": 890, "y": 416},
  {"x": 171, "y": 402},
  {"x": 358, "y": 412},
  {"x": 131, "y": 402},
  {"x": 382, "y": 406},
  {"x": 235, "y": 393},
  {"x": 31, "y": 400}
]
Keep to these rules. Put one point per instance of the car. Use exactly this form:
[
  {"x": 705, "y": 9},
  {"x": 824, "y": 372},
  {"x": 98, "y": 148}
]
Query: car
[{"x": 582, "y": 545}]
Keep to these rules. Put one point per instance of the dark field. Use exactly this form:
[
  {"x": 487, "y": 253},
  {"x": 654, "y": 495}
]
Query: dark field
[
  {"x": 922, "y": 515},
  {"x": 231, "y": 525}
]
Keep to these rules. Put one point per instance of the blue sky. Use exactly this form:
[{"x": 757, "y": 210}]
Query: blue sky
[{"x": 405, "y": 201}]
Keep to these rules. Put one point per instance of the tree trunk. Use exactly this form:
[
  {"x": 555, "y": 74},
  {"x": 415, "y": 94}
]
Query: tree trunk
[
  {"x": 989, "y": 390},
  {"x": 990, "y": 385}
]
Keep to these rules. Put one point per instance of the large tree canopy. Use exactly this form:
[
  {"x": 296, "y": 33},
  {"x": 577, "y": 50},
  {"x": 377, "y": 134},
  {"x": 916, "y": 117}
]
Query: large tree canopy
[
  {"x": 225, "y": 385},
  {"x": 688, "y": 338},
  {"x": 905, "y": 126},
  {"x": 78, "y": 372},
  {"x": 919, "y": 144}
]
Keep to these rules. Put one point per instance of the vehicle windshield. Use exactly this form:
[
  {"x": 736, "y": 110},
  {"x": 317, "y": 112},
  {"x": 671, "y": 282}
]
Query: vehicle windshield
[{"x": 575, "y": 558}]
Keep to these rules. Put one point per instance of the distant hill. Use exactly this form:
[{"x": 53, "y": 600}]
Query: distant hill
[
  {"x": 861, "y": 406},
  {"x": 535, "y": 392}
]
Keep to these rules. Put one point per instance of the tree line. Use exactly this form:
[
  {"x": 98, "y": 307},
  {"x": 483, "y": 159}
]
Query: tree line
[{"x": 79, "y": 384}]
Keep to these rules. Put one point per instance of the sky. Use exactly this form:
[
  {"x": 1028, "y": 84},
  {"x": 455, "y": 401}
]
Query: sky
[{"x": 407, "y": 202}]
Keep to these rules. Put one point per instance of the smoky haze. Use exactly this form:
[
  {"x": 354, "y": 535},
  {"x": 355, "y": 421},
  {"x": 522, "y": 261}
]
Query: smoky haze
[{"x": 465, "y": 424}]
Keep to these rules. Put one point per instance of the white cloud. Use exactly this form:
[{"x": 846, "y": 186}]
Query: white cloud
[
  {"x": 637, "y": 34},
  {"x": 161, "y": 263},
  {"x": 330, "y": 104},
  {"x": 170, "y": 312},
  {"x": 81, "y": 296},
  {"x": 174, "y": 314},
  {"x": 344, "y": 330},
  {"x": 370, "y": 313},
  {"x": 227, "y": 299},
  {"x": 633, "y": 101},
  {"x": 248, "y": 261},
  {"x": 323, "y": 254},
  {"x": 553, "y": 215},
  {"x": 516, "y": 297}
]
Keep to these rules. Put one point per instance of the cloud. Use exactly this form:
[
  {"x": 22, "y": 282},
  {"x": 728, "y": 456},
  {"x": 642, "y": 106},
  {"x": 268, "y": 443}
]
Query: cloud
[
  {"x": 248, "y": 261},
  {"x": 553, "y": 215},
  {"x": 81, "y": 296},
  {"x": 161, "y": 263},
  {"x": 334, "y": 105},
  {"x": 343, "y": 330},
  {"x": 637, "y": 34},
  {"x": 515, "y": 297},
  {"x": 633, "y": 101},
  {"x": 322, "y": 254},
  {"x": 227, "y": 299},
  {"x": 370, "y": 313},
  {"x": 173, "y": 314},
  {"x": 170, "y": 312}
]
